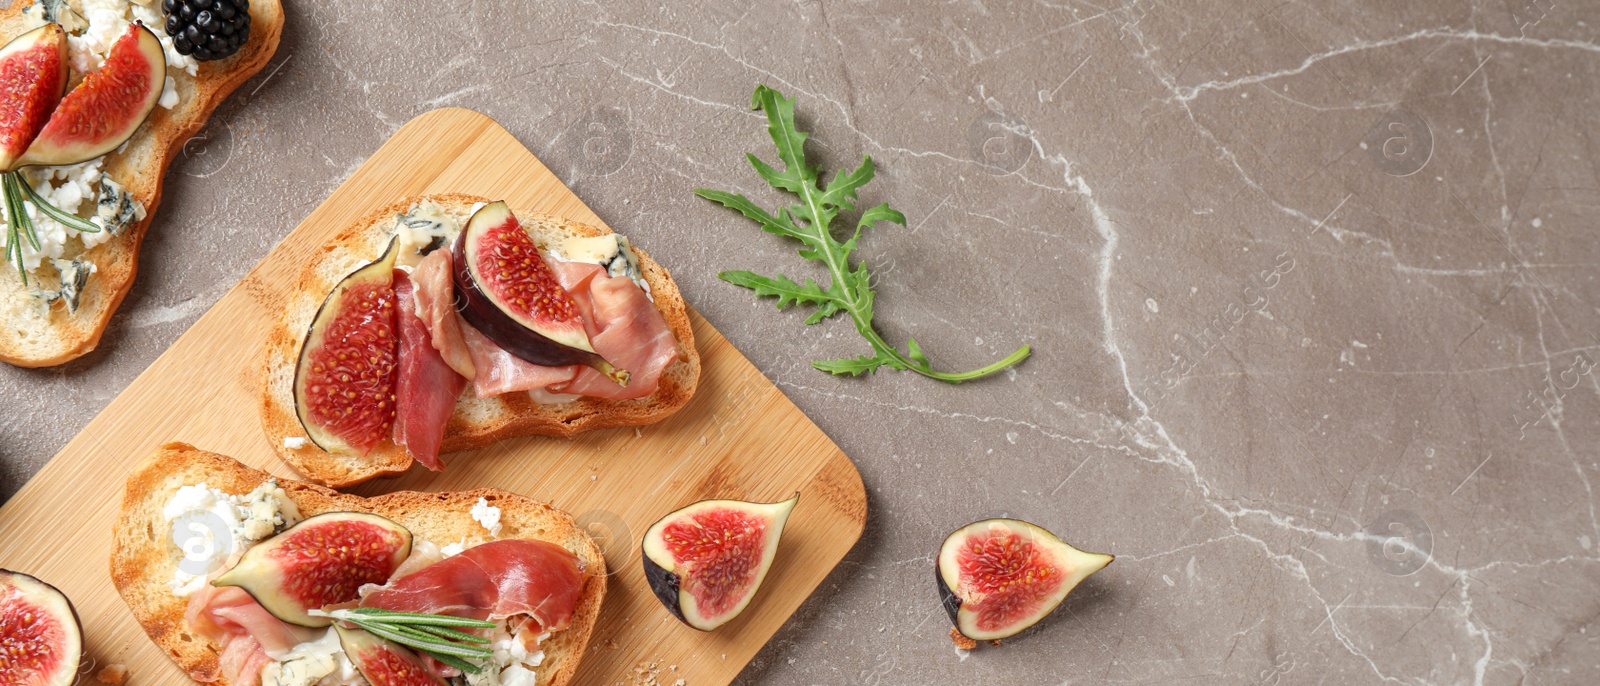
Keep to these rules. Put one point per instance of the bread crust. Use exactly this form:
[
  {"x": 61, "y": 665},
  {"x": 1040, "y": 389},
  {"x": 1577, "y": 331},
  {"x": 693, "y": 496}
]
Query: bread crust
[
  {"x": 477, "y": 422},
  {"x": 144, "y": 556},
  {"x": 140, "y": 167}
]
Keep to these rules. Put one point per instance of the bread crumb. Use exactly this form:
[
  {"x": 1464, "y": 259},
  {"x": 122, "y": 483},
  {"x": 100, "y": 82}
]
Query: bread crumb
[
  {"x": 962, "y": 642},
  {"x": 112, "y": 674},
  {"x": 995, "y": 643}
]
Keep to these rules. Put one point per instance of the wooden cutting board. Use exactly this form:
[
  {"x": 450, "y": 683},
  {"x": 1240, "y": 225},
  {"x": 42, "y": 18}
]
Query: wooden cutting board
[{"x": 738, "y": 438}]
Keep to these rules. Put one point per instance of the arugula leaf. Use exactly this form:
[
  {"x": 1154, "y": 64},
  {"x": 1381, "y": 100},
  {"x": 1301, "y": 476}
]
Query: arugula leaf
[{"x": 810, "y": 221}]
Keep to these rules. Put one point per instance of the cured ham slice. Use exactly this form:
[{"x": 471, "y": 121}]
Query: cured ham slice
[
  {"x": 492, "y": 581},
  {"x": 241, "y": 660},
  {"x": 623, "y": 325},
  {"x": 492, "y": 370},
  {"x": 248, "y": 635},
  {"x": 625, "y": 328},
  {"x": 427, "y": 386},
  {"x": 435, "y": 305},
  {"x": 500, "y": 372},
  {"x": 229, "y": 612}
]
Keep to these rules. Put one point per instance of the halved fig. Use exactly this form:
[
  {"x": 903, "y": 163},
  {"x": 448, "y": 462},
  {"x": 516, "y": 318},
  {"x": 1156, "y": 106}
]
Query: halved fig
[
  {"x": 107, "y": 107},
  {"x": 1000, "y": 576},
  {"x": 344, "y": 382},
  {"x": 33, "y": 75},
  {"x": 706, "y": 561},
  {"x": 41, "y": 640},
  {"x": 321, "y": 561},
  {"x": 383, "y": 662},
  {"x": 506, "y": 291}
]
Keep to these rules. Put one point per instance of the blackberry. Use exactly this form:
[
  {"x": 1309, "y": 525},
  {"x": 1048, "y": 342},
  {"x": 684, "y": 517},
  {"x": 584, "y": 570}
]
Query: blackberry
[{"x": 207, "y": 29}]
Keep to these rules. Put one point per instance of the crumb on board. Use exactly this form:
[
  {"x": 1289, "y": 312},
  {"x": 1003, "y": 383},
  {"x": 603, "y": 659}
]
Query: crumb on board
[
  {"x": 113, "y": 674},
  {"x": 649, "y": 674},
  {"x": 962, "y": 642}
]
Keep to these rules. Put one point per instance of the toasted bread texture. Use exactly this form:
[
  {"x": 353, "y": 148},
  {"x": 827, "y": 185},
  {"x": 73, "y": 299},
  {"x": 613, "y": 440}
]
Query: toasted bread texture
[
  {"x": 144, "y": 555},
  {"x": 477, "y": 422},
  {"x": 35, "y": 336}
]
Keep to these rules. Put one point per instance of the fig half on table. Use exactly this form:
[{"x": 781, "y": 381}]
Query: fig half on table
[
  {"x": 706, "y": 561},
  {"x": 999, "y": 576},
  {"x": 40, "y": 633}
]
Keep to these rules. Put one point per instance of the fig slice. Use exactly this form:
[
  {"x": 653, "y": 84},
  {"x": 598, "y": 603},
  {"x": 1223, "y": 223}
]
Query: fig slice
[
  {"x": 33, "y": 75},
  {"x": 321, "y": 561},
  {"x": 107, "y": 107},
  {"x": 345, "y": 380},
  {"x": 705, "y": 561},
  {"x": 506, "y": 291},
  {"x": 39, "y": 630},
  {"x": 1000, "y": 576},
  {"x": 384, "y": 662}
]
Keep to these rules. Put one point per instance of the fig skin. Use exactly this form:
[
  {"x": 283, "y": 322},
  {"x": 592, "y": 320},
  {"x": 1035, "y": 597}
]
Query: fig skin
[
  {"x": 265, "y": 580},
  {"x": 667, "y": 580},
  {"x": 1052, "y": 558},
  {"x": 524, "y": 339},
  {"x": 361, "y": 647},
  {"x": 33, "y": 50},
  {"x": 380, "y": 270},
  {"x": 60, "y": 142},
  {"x": 58, "y": 607}
]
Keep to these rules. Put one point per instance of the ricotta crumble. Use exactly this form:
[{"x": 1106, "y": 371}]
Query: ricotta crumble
[{"x": 209, "y": 525}]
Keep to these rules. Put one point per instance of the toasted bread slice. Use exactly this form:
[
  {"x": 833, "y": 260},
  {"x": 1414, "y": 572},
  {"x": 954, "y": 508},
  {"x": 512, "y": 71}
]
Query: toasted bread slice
[
  {"x": 35, "y": 336},
  {"x": 144, "y": 556},
  {"x": 477, "y": 422}
]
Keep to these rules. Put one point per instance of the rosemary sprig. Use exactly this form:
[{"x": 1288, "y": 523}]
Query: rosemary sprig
[{"x": 437, "y": 635}]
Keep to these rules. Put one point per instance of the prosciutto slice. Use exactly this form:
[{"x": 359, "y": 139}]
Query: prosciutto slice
[
  {"x": 229, "y": 612},
  {"x": 492, "y": 581},
  {"x": 248, "y": 635},
  {"x": 427, "y": 387},
  {"x": 624, "y": 327},
  {"x": 241, "y": 660},
  {"x": 435, "y": 305},
  {"x": 500, "y": 372}
]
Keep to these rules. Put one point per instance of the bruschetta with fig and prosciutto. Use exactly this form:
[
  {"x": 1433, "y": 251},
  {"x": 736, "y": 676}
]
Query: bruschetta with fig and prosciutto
[
  {"x": 245, "y": 580},
  {"x": 448, "y": 322}
]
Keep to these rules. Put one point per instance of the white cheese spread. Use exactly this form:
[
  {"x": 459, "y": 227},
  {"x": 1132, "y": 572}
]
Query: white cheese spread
[
  {"x": 294, "y": 442},
  {"x": 209, "y": 525},
  {"x": 320, "y": 662},
  {"x": 512, "y": 664},
  {"x": 488, "y": 516}
]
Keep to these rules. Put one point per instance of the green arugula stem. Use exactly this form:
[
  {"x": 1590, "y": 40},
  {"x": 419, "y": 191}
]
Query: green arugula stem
[
  {"x": 884, "y": 348},
  {"x": 810, "y": 222}
]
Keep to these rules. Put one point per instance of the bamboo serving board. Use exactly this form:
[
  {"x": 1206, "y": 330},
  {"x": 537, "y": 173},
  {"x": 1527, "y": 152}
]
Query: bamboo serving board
[{"x": 738, "y": 438}]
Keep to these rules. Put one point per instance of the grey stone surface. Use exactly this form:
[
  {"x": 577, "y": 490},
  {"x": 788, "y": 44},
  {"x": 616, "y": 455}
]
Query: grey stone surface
[{"x": 1384, "y": 212}]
